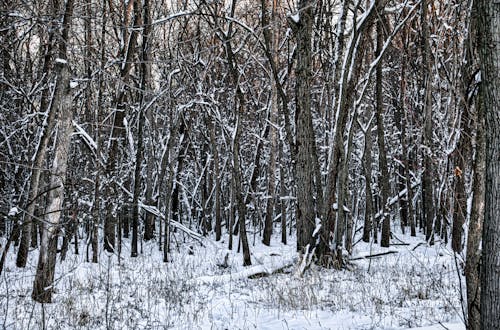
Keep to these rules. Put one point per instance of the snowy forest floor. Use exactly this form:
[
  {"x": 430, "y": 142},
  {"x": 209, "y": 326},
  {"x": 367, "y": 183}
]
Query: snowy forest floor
[{"x": 206, "y": 287}]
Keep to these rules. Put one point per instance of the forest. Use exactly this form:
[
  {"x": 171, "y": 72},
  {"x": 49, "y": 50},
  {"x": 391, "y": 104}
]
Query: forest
[{"x": 249, "y": 164}]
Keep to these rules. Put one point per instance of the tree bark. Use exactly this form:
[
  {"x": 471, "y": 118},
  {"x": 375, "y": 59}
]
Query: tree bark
[
  {"x": 489, "y": 54},
  {"x": 427, "y": 174},
  {"x": 28, "y": 228},
  {"x": 118, "y": 129},
  {"x": 473, "y": 257},
  {"x": 304, "y": 165},
  {"x": 367, "y": 170},
  {"x": 273, "y": 118},
  {"x": 382, "y": 159},
  {"x": 44, "y": 278}
]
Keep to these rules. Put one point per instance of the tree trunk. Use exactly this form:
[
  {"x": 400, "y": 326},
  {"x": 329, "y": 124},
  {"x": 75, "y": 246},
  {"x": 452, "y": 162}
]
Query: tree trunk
[
  {"x": 427, "y": 174},
  {"x": 382, "y": 159},
  {"x": 29, "y": 224},
  {"x": 304, "y": 129},
  {"x": 216, "y": 178},
  {"x": 273, "y": 118},
  {"x": 44, "y": 278},
  {"x": 489, "y": 54},
  {"x": 283, "y": 193},
  {"x": 118, "y": 129},
  {"x": 367, "y": 169},
  {"x": 239, "y": 104},
  {"x": 473, "y": 257}
]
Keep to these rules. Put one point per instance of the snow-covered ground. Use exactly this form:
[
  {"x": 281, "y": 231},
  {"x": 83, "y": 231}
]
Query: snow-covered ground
[{"x": 208, "y": 288}]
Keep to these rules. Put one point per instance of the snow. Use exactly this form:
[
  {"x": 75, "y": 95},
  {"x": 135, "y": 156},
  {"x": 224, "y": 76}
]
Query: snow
[
  {"x": 295, "y": 18},
  {"x": 209, "y": 288},
  {"x": 60, "y": 60},
  {"x": 13, "y": 211}
]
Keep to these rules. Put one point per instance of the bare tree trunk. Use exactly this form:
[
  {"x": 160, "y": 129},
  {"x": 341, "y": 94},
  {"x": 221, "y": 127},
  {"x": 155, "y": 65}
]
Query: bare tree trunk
[
  {"x": 216, "y": 179},
  {"x": 328, "y": 215},
  {"x": 367, "y": 169},
  {"x": 144, "y": 86},
  {"x": 384, "y": 177},
  {"x": 118, "y": 129},
  {"x": 239, "y": 104},
  {"x": 273, "y": 118},
  {"x": 473, "y": 257},
  {"x": 306, "y": 215},
  {"x": 489, "y": 54},
  {"x": 43, "y": 283},
  {"x": 29, "y": 223},
  {"x": 427, "y": 175},
  {"x": 282, "y": 194},
  {"x": 399, "y": 108}
]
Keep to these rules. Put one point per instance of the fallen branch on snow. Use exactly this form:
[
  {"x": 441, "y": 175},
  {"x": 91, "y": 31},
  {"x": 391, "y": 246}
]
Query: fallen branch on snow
[{"x": 376, "y": 255}]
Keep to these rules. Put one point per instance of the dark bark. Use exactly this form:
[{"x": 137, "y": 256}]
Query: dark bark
[
  {"x": 304, "y": 129},
  {"x": 367, "y": 170},
  {"x": 382, "y": 159},
  {"x": 488, "y": 14},
  {"x": 473, "y": 257},
  {"x": 428, "y": 173}
]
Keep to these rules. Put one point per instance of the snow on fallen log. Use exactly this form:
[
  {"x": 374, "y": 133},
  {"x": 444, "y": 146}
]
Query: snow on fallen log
[{"x": 249, "y": 272}]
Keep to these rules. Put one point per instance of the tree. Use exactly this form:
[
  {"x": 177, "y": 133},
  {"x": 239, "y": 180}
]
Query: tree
[
  {"x": 384, "y": 172},
  {"x": 43, "y": 284},
  {"x": 427, "y": 175},
  {"x": 301, "y": 24},
  {"x": 488, "y": 33}
]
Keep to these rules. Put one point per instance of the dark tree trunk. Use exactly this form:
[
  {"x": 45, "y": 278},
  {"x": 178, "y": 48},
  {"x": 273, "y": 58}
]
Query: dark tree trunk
[
  {"x": 304, "y": 129},
  {"x": 367, "y": 169},
  {"x": 489, "y": 54},
  {"x": 384, "y": 172},
  {"x": 473, "y": 257},
  {"x": 427, "y": 174}
]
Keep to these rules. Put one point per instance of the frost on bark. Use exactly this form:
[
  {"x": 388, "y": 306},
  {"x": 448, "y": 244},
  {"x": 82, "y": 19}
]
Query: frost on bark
[{"x": 488, "y": 15}]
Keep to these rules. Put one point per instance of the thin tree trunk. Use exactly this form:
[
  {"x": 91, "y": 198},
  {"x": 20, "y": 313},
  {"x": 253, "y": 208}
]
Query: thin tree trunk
[
  {"x": 367, "y": 169},
  {"x": 473, "y": 257},
  {"x": 273, "y": 118},
  {"x": 427, "y": 174},
  {"x": 283, "y": 193},
  {"x": 29, "y": 224},
  {"x": 139, "y": 157},
  {"x": 118, "y": 129},
  {"x": 384, "y": 178}
]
